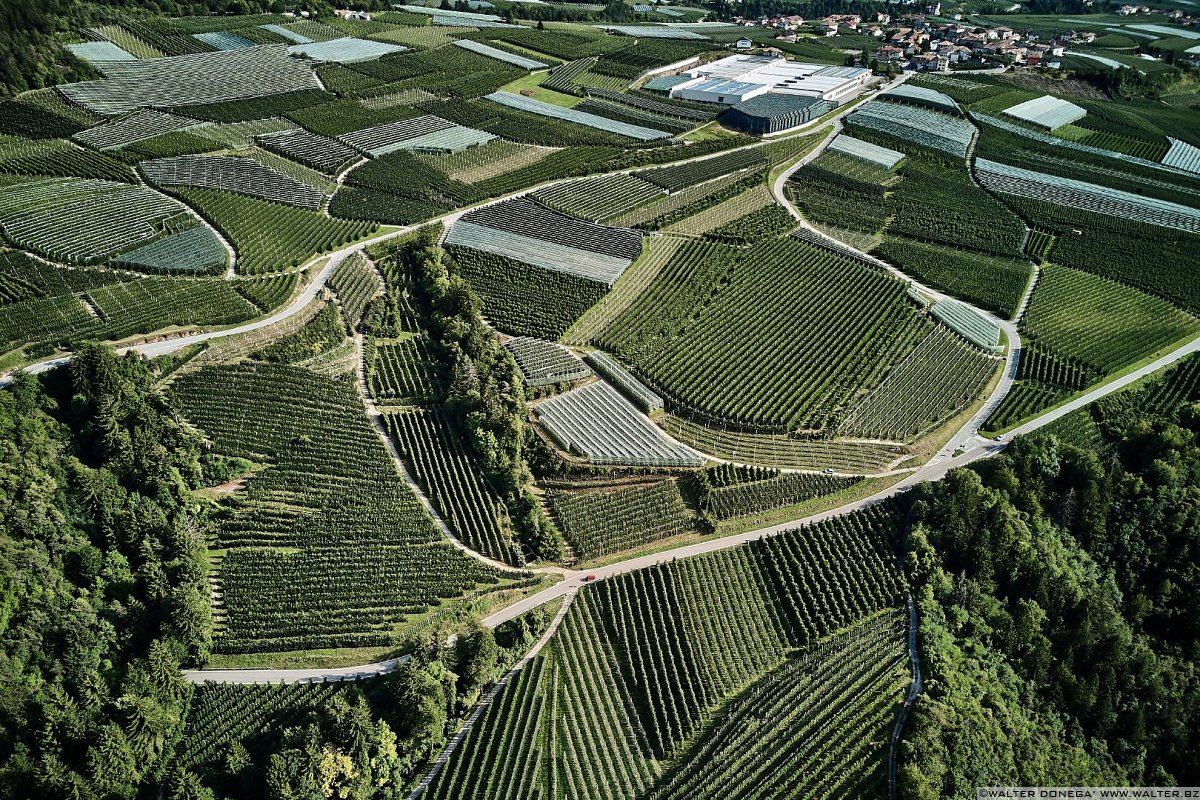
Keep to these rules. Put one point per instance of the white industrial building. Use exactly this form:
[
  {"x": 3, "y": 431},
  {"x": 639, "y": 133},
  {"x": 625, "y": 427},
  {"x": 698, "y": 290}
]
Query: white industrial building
[{"x": 737, "y": 78}]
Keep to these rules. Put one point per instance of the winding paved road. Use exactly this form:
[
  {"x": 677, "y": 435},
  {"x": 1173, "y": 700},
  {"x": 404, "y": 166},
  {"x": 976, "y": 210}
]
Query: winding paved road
[
  {"x": 963, "y": 448},
  {"x": 466, "y": 727},
  {"x": 929, "y": 472}
]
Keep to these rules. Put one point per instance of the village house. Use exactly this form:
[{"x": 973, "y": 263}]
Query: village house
[
  {"x": 955, "y": 54},
  {"x": 928, "y": 62},
  {"x": 888, "y": 54}
]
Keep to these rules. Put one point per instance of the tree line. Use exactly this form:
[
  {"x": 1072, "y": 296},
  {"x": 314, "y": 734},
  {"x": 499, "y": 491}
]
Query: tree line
[{"x": 486, "y": 394}]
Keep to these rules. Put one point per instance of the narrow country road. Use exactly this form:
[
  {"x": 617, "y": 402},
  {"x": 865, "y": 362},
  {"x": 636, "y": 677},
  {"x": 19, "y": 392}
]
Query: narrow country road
[
  {"x": 914, "y": 689},
  {"x": 483, "y": 704},
  {"x": 963, "y": 448},
  {"x": 929, "y": 472},
  {"x": 302, "y": 675}
]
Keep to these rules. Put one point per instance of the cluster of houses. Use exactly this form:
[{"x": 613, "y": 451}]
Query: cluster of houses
[
  {"x": 924, "y": 46},
  {"x": 917, "y": 43}
]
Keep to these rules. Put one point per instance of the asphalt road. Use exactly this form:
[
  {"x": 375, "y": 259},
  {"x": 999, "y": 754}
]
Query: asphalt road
[
  {"x": 931, "y": 471},
  {"x": 972, "y": 447}
]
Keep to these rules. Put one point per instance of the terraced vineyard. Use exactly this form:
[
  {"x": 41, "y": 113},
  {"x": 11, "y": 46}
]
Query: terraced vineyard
[
  {"x": 331, "y": 491},
  {"x": 991, "y": 282},
  {"x": 117, "y": 308},
  {"x": 441, "y": 464},
  {"x": 784, "y": 452},
  {"x": 355, "y": 283},
  {"x": 817, "y": 724},
  {"x": 727, "y": 492},
  {"x": 940, "y": 377},
  {"x": 524, "y": 299},
  {"x": 1099, "y": 322},
  {"x": 399, "y": 372},
  {"x": 270, "y": 237},
  {"x": 598, "y": 199},
  {"x": 84, "y": 221}
]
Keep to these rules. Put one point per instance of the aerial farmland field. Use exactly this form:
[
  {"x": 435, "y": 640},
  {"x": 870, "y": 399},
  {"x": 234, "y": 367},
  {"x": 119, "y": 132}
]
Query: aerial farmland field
[{"x": 491, "y": 400}]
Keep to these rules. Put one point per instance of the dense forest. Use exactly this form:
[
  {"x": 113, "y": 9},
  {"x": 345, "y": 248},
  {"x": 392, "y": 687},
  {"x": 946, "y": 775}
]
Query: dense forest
[
  {"x": 30, "y": 56},
  {"x": 104, "y": 580},
  {"x": 1059, "y": 594}
]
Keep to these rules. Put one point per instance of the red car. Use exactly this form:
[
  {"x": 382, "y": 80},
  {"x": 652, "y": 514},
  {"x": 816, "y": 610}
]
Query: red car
[{"x": 589, "y": 578}]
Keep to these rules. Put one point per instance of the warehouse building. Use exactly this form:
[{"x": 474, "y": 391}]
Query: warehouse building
[
  {"x": 739, "y": 78},
  {"x": 771, "y": 113}
]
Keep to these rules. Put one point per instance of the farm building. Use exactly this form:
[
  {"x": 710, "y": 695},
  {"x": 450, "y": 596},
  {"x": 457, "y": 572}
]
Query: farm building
[
  {"x": 738, "y": 78},
  {"x": 772, "y": 113}
]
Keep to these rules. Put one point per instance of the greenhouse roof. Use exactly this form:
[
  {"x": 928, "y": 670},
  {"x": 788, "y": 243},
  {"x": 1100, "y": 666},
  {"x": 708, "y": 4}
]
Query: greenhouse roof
[
  {"x": 99, "y": 51},
  {"x": 667, "y": 82},
  {"x": 345, "y": 50},
  {"x": 930, "y": 96},
  {"x": 866, "y": 151},
  {"x": 1047, "y": 111}
]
